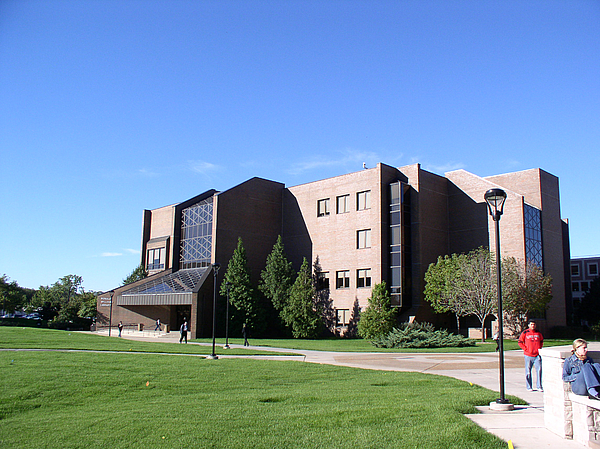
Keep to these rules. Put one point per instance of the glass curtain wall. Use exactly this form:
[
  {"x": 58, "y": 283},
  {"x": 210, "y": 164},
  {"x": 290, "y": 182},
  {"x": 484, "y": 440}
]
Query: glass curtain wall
[{"x": 196, "y": 235}]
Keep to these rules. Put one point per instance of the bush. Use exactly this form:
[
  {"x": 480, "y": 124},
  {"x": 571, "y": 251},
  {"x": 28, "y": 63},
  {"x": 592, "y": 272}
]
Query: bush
[{"x": 421, "y": 335}]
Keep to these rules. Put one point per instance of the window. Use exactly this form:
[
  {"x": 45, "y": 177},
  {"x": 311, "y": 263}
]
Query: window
[
  {"x": 533, "y": 236},
  {"x": 342, "y": 317},
  {"x": 154, "y": 260},
  {"x": 574, "y": 270},
  {"x": 363, "y": 200},
  {"x": 585, "y": 286},
  {"x": 575, "y": 286},
  {"x": 363, "y": 238},
  {"x": 196, "y": 235},
  {"x": 323, "y": 280},
  {"x": 323, "y": 207},
  {"x": 363, "y": 278},
  {"x": 593, "y": 269},
  {"x": 342, "y": 279},
  {"x": 343, "y": 204}
]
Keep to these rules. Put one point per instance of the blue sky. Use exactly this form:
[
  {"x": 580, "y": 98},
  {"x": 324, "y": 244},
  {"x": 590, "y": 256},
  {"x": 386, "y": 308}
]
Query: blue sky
[{"x": 111, "y": 107}]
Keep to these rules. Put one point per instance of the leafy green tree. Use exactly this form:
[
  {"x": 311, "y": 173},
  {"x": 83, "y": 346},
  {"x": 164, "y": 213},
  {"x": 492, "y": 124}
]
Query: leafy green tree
[
  {"x": 526, "y": 292},
  {"x": 65, "y": 301},
  {"x": 242, "y": 295},
  {"x": 300, "y": 313},
  {"x": 137, "y": 274},
  {"x": 464, "y": 285},
  {"x": 277, "y": 277},
  {"x": 378, "y": 318},
  {"x": 440, "y": 283},
  {"x": 12, "y": 297}
]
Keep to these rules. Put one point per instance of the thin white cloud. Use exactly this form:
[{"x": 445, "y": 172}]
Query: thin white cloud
[
  {"x": 132, "y": 251},
  {"x": 111, "y": 254},
  {"x": 348, "y": 157},
  {"x": 441, "y": 169},
  {"x": 203, "y": 167}
]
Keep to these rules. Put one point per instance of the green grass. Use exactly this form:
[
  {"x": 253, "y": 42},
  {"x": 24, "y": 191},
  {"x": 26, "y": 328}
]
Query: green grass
[
  {"x": 34, "y": 338},
  {"x": 131, "y": 400},
  {"x": 360, "y": 345}
]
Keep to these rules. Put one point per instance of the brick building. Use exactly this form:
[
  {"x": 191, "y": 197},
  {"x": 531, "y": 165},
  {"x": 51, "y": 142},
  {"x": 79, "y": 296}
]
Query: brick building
[{"x": 376, "y": 224}]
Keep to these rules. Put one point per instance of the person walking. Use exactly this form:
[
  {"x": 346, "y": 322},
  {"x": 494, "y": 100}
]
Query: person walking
[
  {"x": 120, "y": 327},
  {"x": 581, "y": 371},
  {"x": 245, "y": 334},
  {"x": 183, "y": 330},
  {"x": 531, "y": 341},
  {"x": 157, "y": 328}
]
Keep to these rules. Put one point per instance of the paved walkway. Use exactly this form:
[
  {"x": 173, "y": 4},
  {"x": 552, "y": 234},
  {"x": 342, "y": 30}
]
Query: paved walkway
[{"x": 524, "y": 426}]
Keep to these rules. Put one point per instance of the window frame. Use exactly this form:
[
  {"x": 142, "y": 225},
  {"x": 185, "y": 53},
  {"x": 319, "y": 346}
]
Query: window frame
[
  {"x": 345, "y": 279},
  {"x": 363, "y": 200},
  {"x": 363, "y": 239},
  {"x": 323, "y": 211},
  {"x": 365, "y": 280}
]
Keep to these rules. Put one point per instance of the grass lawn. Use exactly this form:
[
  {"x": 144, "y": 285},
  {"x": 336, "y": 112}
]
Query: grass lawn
[
  {"x": 52, "y": 399},
  {"x": 35, "y": 338}
]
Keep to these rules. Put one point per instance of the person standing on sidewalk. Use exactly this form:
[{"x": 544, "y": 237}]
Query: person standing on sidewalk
[
  {"x": 183, "y": 330},
  {"x": 531, "y": 341}
]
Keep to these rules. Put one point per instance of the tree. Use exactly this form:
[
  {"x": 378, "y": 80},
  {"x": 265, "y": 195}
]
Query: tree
[
  {"x": 323, "y": 301},
  {"x": 12, "y": 297},
  {"x": 440, "y": 282},
  {"x": 241, "y": 292},
  {"x": 277, "y": 277},
  {"x": 526, "y": 291},
  {"x": 378, "y": 318},
  {"x": 65, "y": 301},
  {"x": 464, "y": 284},
  {"x": 137, "y": 274},
  {"x": 300, "y": 313}
]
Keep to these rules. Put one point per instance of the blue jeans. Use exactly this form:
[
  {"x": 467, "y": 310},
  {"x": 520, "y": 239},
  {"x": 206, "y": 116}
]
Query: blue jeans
[{"x": 529, "y": 363}]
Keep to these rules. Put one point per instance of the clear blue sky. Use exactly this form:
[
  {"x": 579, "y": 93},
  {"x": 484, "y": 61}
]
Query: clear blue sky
[{"x": 111, "y": 107}]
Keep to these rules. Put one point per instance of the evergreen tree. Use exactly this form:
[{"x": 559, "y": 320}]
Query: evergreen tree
[
  {"x": 379, "y": 318},
  {"x": 242, "y": 296},
  {"x": 300, "y": 313},
  {"x": 277, "y": 277}
]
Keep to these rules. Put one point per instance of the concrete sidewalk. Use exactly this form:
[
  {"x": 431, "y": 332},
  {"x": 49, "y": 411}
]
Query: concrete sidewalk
[{"x": 524, "y": 426}]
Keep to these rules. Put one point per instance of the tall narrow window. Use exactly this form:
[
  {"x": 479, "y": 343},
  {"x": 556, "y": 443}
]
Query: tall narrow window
[
  {"x": 323, "y": 207},
  {"x": 363, "y": 239},
  {"x": 342, "y": 279},
  {"x": 363, "y": 200},
  {"x": 593, "y": 269},
  {"x": 155, "y": 259},
  {"x": 533, "y": 236},
  {"x": 343, "y": 204},
  {"x": 574, "y": 270}
]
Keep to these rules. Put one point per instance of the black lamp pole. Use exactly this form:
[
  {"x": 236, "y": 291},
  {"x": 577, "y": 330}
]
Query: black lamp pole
[
  {"x": 495, "y": 199},
  {"x": 227, "y": 284},
  {"x": 112, "y": 292},
  {"x": 215, "y": 267}
]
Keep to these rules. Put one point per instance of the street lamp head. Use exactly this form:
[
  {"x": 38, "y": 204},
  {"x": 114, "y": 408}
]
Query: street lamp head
[
  {"x": 216, "y": 267},
  {"x": 495, "y": 199},
  {"x": 112, "y": 292}
]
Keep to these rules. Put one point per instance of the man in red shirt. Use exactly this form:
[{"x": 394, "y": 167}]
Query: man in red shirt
[{"x": 531, "y": 341}]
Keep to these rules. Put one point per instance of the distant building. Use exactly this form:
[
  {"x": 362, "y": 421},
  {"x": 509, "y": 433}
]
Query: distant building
[
  {"x": 382, "y": 223},
  {"x": 583, "y": 271}
]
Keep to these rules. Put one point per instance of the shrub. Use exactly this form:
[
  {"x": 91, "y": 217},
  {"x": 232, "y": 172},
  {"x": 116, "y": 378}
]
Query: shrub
[{"x": 421, "y": 335}]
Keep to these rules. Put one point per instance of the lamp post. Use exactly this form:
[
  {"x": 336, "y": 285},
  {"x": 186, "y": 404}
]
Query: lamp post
[
  {"x": 112, "y": 292},
  {"x": 228, "y": 285},
  {"x": 215, "y": 267},
  {"x": 495, "y": 199}
]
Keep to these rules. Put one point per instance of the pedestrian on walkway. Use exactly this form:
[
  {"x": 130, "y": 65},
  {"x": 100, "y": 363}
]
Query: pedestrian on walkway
[
  {"x": 531, "y": 341},
  {"x": 183, "y": 330},
  {"x": 245, "y": 334},
  {"x": 120, "y": 327},
  {"x": 157, "y": 328},
  {"x": 581, "y": 371}
]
